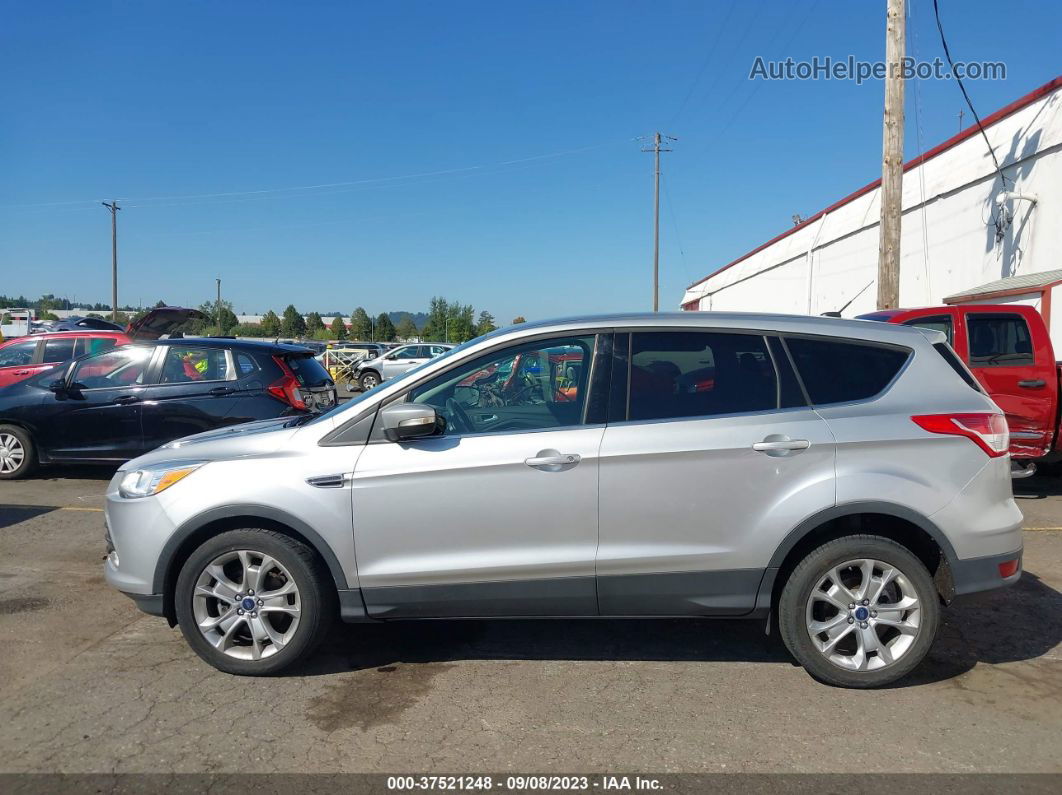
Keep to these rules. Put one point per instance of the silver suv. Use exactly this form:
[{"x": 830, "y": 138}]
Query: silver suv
[
  {"x": 373, "y": 372},
  {"x": 841, "y": 480}
]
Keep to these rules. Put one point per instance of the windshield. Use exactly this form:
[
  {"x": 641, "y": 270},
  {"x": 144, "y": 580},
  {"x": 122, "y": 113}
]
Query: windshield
[{"x": 341, "y": 407}]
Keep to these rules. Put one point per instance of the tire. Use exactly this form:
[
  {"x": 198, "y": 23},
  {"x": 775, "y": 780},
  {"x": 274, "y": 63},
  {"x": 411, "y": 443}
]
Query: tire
[
  {"x": 18, "y": 454},
  {"x": 294, "y": 620},
  {"x": 844, "y": 652},
  {"x": 369, "y": 380}
]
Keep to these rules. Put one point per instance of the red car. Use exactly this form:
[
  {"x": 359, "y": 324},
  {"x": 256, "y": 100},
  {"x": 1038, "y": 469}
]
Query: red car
[{"x": 25, "y": 357}]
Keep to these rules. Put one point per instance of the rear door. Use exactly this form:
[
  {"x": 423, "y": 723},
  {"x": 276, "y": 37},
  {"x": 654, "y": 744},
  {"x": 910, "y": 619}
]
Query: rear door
[
  {"x": 710, "y": 457},
  {"x": 1011, "y": 355},
  {"x": 397, "y": 362},
  {"x": 192, "y": 389}
]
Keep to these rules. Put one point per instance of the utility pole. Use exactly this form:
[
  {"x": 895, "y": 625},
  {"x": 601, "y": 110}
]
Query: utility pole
[
  {"x": 114, "y": 208},
  {"x": 892, "y": 159},
  {"x": 656, "y": 150},
  {"x": 217, "y": 308}
]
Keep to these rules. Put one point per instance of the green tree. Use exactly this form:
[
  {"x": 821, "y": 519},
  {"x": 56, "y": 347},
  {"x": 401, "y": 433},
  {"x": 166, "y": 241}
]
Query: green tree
[
  {"x": 47, "y": 316},
  {"x": 460, "y": 322},
  {"x": 519, "y": 319},
  {"x": 486, "y": 323},
  {"x": 248, "y": 330},
  {"x": 293, "y": 325},
  {"x": 407, "y": 329},
  {"x": 338, "y": 328},
  {"x": 385, "y": 329},
  {"x": 435, "y": 326},
  {"x": 270, "y": 324},
  {"x": 160, "y": 304},
  {"x": 314, "y": 324},
  {"x": 360, "y": 325}
]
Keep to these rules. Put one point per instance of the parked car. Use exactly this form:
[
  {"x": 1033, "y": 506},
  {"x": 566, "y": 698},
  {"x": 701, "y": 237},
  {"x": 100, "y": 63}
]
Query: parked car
[
  {"x": 113, "y": 406},
  {"x": 847, "y": 489},
  {"x": 25, "y": 357},
  {"x": 1008, "y": 349},
  {"x": 78, "y": 323},
  {"x": 374, "y": 372}
]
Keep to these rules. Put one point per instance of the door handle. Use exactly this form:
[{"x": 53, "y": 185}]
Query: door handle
[
  {"x": 125, "y": 400},
  {"x": 22, "y": 372},
  {"x": 1033, "y": 383},
  {"x": 552, "y": 461},
  {"x": 780, "y": 445},
  {"x": 221, "y": 390}
]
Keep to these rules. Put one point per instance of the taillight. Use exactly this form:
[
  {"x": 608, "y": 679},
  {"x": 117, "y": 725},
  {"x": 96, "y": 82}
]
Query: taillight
[
  {"x": 987, "y": 430},
  {"x": 1009, "y": 569},
  {"x": 286, "y": 388}
]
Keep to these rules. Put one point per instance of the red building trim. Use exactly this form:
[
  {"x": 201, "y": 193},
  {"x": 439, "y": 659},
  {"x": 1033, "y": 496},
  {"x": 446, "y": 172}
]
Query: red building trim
[{"x": 969, "y": 132}]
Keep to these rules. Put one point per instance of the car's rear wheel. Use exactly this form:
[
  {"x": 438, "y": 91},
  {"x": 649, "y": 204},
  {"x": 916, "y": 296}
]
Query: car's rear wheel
[
  {"x": 253, "y": 602},
  {"x": 18, "y": 456},
  {"x": 369, "y": 380},
  {"x": 859, "y": 611}
]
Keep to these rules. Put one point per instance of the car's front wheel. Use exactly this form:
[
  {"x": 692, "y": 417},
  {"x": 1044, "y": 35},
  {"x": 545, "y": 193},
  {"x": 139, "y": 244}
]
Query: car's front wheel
[
  {"x": 18, "y": 457},
  {"x": 859, "y": 611},
  {"x": 254, "y": 601},
  {"x": 369, "y": 380}
]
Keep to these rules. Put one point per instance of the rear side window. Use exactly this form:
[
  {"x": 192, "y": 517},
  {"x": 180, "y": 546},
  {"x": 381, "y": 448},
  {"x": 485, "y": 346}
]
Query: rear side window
[
  {"x": 187, "y": 365},
  {"x": 935, "y": 323},
  {"x": 89, "y": 345},
  {"x": 692, "y": 374},
  {"x": 840, "y": 372},
  {"x": 308, "y": 371},
  {"x": 956, "y": 364},
  {"x": 1001, "y": 340},
  {"x": 58, "y": 350}
]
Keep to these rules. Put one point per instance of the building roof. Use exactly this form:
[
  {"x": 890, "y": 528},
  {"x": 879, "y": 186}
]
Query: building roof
[
  {"x": 969, "y": 132},
  {"x": 1011, "y": 284}
]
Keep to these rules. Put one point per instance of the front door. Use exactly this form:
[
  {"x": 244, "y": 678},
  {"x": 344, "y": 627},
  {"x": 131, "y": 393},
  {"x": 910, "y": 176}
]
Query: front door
[
  {"x": 98, "y": 417},
  {"x": 497, "y": 516},
  {"x": 714, "y": 458}
]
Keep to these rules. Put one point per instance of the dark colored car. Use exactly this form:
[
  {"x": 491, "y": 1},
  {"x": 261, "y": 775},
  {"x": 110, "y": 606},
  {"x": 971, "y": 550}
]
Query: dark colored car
[
  {"x": 116, "y": 405},
  {"x": 78, "y": 323}
]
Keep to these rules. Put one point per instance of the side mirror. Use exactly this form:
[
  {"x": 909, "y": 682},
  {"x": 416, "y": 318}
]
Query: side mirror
[
  {"x": 405, "y": 421},
  {"x": 58, "y": 386}
]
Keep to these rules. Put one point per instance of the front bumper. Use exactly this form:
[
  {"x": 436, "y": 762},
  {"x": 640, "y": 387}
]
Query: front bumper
[{"x": 136, "y": 532}]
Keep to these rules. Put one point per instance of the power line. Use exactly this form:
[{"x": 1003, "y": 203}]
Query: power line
[
  {"x": 966, "y": 96},
  {"x": 704, "y": 65}
]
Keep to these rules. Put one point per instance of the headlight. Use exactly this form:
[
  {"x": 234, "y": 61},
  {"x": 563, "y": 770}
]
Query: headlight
[{"x": 152, "y": 480}]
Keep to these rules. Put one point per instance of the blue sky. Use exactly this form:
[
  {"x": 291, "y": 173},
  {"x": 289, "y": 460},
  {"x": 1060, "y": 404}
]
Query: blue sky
[{"x": 480, "y": 151}]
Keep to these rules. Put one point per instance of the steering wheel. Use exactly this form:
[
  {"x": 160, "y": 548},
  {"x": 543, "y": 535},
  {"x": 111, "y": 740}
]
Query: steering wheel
[{"x": 458, "y": 416}]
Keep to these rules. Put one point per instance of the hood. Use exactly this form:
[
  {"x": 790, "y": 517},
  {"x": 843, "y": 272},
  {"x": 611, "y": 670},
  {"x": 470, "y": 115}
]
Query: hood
[
  {"x": 237, "y": 441},
  {"x": 162, "y": 320}
]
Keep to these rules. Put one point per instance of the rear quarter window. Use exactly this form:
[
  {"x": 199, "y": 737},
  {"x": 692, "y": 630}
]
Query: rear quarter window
[{"x": 836, "y": 371}]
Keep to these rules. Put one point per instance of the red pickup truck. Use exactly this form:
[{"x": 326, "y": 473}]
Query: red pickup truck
[{"x": 1009, "y": 351}]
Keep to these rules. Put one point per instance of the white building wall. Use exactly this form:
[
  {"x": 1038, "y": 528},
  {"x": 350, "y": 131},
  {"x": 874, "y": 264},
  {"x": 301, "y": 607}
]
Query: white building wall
[{"x": 948, "y": 204}]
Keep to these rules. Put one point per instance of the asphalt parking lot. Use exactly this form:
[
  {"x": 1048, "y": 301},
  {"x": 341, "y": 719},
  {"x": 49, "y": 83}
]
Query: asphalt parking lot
[{"x": 88, "y": 684}]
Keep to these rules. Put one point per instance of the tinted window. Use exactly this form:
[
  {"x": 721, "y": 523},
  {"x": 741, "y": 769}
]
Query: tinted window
[
  {"x": 308, "y": 371},
  {"x": 58, "y": 350},
  {"x": 533, "y": 386},
  {"x": 936, "y": 323},
  {"x": 998, "y": 340},
  {"x": 186, "y": 365},
  {"x": 122, "y": 367},
  {"x": 19, "y": 353},
  {"x": 412, "y": 352},
  {"x": 839, "y": 372},
  {"x": 245, "y": 364},
  {"x": 692, "y": 374},
  {"x": 89, "y": 345}
]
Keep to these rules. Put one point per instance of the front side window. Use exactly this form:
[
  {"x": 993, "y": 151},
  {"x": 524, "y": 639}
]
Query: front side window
[
  {"x": 58, "y": 350},
  {"x": 936, "y": 323},
  {"x": 677, "y": 374},
  {"x": 18, "y": 354},
  {"x": 188, "y": 365},
  {"x": 1001, "y": 340},
  {"x": 529, "y": 387},
  {"x": 119, "y": 368},
  {"x": 836, "y": 371}
]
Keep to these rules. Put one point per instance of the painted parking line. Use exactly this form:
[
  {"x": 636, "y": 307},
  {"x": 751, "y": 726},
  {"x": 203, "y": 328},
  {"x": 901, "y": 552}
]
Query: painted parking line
[
  {"x": 79, "y": 508},
  {"x": 1042, "y": 528}
]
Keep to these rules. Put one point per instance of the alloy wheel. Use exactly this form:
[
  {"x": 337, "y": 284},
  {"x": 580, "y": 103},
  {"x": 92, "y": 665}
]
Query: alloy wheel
[
  {"x": 246, "y": 604},
  {"x": 863, "y": 615},
  {"x": 12, "y": 453}
]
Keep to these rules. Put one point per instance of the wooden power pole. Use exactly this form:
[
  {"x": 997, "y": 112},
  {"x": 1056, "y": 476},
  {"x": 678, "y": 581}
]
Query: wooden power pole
[
  {"x": 656, "y": 150},
  {"x": 892, "y": 159},
  {"x": 114, "y": 208}
]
